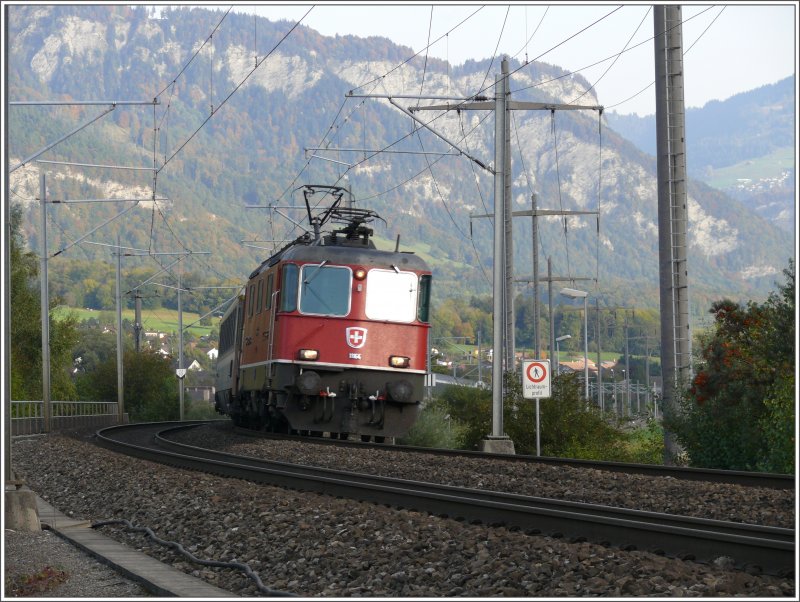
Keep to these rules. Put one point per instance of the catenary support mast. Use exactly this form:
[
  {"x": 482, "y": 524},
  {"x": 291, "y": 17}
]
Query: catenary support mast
[{"x": 676, "y": 349}]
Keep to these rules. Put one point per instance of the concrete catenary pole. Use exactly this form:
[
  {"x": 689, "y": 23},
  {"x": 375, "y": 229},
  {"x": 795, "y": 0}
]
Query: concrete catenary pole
[
  {"x": 7, "y": 464},
  {"x": 672, "y": 211},
  {"x": 508, "y": 223},
  {"x": 498, "y": 280}
]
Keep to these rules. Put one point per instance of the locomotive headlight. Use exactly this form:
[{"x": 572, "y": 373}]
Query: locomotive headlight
[
  {"x": 399, "y": 361},
  {"x": 360, "y": 274},
  {"x": 308, "y": 355}
]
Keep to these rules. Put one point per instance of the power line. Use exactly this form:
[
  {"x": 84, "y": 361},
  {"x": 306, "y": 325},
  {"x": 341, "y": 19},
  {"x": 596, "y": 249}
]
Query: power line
[
  {"x": 186, "y": 66},
  {"x": 494, "y": 54},
  {"x": 408, "y": 60},
  {"x": 528, "y": 41},
  {"x": 608, "y": 58},
  {"x": 239, "y": 85},
  {"x": 614, "y": 62}
]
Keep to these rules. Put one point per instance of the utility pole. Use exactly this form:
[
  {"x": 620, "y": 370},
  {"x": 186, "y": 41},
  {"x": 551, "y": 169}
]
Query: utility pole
[
  {"x": 550, "y": 279},
  {"x": 503, "y": 302},
  {"x": 676, "y": 348},
  {"x": 137, "y": 327},
  {"x": 627, "y": 368},
  {"x": 600, "y": 401},
  {"x": 181, "y": 373},
  {"x": 535, "y": 258},
  {"x": 45, "y": 307},
  {"x": 137, "y": 320},
  {"x": 534, "y": 213},
  {"x": 120, "y": 380}
]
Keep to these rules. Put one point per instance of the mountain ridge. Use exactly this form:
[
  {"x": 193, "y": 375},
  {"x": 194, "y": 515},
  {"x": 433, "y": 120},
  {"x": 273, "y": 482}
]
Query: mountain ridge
[{"x": 251, "y": 152}]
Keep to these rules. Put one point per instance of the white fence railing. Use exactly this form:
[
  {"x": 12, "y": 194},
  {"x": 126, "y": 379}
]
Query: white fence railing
[{"x": 27, "y": 417}]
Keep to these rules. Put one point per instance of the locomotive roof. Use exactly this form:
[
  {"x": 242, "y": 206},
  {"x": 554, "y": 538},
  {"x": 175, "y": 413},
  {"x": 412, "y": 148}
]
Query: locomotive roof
[{"x": 347, "y": 255}]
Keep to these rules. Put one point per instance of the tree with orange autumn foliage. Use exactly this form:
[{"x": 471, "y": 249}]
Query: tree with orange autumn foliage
[{"x": 738, "y": 412}]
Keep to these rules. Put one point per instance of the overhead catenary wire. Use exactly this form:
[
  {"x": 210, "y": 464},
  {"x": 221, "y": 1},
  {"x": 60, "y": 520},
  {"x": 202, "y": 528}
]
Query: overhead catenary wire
[
  {"x": 380, "y": 79},
  {"x": 601, "y": 61},
  {"x": 239, "y": 85},
  {"x": 494, "y": 54},
  {"x": 528, "y": 40},
  {"x": 194, "y": 56},
  {"x": 614, "y": 62},
  {"x": 408, "y": 60}
]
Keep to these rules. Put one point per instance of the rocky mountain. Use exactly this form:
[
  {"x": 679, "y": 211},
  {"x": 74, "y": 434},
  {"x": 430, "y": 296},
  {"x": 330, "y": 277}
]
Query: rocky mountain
[{"x": 247, "y": 115}]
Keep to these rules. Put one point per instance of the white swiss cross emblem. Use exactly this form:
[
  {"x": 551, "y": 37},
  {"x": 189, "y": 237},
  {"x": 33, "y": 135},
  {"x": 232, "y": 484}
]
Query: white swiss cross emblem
[{"x": 356, "y": 337}]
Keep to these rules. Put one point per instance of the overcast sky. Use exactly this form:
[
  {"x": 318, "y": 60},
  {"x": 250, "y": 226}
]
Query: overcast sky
[{"x": 729, "y": 48}]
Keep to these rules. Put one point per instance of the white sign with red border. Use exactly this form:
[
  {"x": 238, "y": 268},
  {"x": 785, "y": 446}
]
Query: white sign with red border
[{"x": 535, "y": 379}]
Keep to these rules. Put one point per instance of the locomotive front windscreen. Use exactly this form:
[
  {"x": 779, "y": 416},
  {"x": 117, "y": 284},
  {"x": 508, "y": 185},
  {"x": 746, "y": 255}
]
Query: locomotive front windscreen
[
  {"x": 391, "y": 296},
  {"x": 325, "y": 290}
]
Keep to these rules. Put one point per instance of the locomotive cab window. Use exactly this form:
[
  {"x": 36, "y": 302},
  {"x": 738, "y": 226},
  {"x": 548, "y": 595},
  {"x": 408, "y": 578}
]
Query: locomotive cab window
[
  {"x": 288, "y": 295},
  {"x": 423, "y": 312},
  {"x": 325, "y": 290},
  {"x": 391, "y": 296}
]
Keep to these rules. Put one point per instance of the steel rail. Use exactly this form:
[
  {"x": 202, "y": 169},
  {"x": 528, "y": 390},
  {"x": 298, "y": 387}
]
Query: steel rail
[
  {"x": 732, "y": 477},
  {"x": 769, "y": 548}
]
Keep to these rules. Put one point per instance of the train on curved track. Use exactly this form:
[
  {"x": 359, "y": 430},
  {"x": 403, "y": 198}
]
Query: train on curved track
[{"x": 330, "y": 334}]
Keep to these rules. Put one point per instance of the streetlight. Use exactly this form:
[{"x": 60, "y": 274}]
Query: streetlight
[
  {"x": 576, "y": 294},
  {"x": 558, "y": 351}
]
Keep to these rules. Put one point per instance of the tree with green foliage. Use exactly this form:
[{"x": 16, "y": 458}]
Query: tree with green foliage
[
  {"x": 26, "y": 328},
  {"x": 738, "y": 413},
  {"x": 570, "y": 428},
  {"x": 150, "y": 386}
]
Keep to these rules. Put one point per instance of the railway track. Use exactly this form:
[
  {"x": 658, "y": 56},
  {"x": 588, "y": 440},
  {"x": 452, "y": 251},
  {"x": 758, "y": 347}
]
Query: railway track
[
  {"x": 731, "y": 477},
  {"x": 772, "y": 549}
]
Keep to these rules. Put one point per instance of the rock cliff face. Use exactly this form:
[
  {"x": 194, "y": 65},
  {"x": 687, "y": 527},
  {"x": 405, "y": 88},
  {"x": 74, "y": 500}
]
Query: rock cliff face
[{"x": 250, "y": 145}]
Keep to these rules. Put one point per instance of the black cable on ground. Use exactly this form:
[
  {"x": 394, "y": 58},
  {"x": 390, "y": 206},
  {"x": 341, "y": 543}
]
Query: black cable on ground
[{"x": 172, "y": 544}]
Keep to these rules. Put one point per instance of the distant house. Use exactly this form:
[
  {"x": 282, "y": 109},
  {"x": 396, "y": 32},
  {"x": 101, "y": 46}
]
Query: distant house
[
  {"x": 194, "y": 366},
  {"x": 577, "y": 366},
  {"x": 212, "y": 353}
]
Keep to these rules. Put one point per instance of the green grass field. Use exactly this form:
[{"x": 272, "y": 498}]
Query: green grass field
[
  {"x": 159, "y": 320},
  {"x": 769, "y": 166}
]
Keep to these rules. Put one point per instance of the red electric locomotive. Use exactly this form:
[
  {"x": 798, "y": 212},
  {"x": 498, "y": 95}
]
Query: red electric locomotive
[{"x": 330, "y": 335}]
